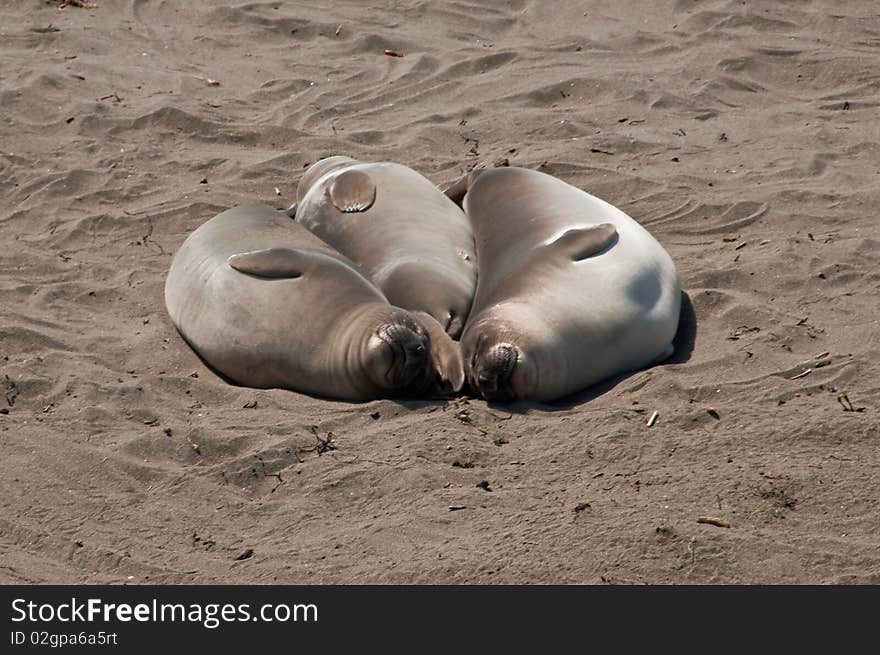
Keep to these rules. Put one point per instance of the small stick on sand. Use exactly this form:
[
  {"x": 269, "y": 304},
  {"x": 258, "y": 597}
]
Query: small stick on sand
[
  {"x": 77, "y": 3},
  {"x": 844, "y": 400},
  {"x": 653, "y": 419},
  {"x": 393, "y": 53},
  {"x": 804, "y": 373},
  {"x": 712, "y": 520},
  {"x": 247, "y": 553}
]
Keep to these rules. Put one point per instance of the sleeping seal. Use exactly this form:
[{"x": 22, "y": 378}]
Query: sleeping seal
[
  {"x": 268, "y": 304},
  {"x": 406, "y": 236},
  {"x": 571, "y": 290}
]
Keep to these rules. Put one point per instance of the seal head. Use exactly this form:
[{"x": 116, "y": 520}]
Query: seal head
[{"x": 397, "y": 357}]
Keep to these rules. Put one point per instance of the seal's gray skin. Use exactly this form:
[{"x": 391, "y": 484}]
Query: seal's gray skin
[
  {"x": 406, "y": 236},
  {"x": 268, "y": 304},
  {"x": 571, "y": 290}
]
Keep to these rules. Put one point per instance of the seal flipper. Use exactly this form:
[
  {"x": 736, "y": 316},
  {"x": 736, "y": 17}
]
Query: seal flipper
[
  {"x": 272, "y": 262},
  {"x": 583, "y": 242},
  {"x": 353, "y": 191},
  {"x": 318, "y": 170},
  {"x": 445, "y": 353},
  {"x": 457, "y": 190}
]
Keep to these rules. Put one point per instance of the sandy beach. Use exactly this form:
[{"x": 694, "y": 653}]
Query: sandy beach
[{"x": 743, "y": 135}]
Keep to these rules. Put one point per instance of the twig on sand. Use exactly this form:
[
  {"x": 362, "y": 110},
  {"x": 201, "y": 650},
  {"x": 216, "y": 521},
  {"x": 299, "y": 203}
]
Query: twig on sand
[
  {"x": 844, "y": 400},
  {"x": 713, "y": 520},
  {"x": 82, "y": 4},
  {"x": 653, "y": 419},
  {"x": 803, "y": 373},
  {"x": 323, "y": 445},
  {"x": 247, "y": 553}
]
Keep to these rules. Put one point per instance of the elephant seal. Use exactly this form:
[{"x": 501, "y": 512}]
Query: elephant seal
[
  {"x": 406, "y": 236},
  {"x": 571, "y": 290},
  {"x": 268, "y": 304}
]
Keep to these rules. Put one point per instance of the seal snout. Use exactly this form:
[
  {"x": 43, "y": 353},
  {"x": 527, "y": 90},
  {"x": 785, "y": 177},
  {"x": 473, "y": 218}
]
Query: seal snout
[
  {"x": 409, "y": 360},
  {"x": 491, "y": 372}
]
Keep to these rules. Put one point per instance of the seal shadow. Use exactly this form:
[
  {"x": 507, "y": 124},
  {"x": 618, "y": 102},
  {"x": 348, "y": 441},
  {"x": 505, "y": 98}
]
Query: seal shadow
[
  {"x": 686, "y": 336},
  {"x": 208, "y": 364},
  {"x": 683, "y": 347}
]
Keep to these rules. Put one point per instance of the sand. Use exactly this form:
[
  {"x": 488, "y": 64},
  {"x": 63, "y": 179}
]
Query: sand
[{"x": 744, "y": 136}]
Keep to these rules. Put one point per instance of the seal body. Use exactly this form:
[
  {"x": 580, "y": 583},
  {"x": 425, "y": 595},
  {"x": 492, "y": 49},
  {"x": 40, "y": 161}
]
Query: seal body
[
  {"x": 267, "y": 304},
  {"x": 404, "y": 234},
  {"x": 571, "y": 290}
]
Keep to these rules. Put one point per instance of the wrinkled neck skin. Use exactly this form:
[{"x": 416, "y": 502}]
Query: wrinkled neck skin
[
  {"x": 360, "y": 331},
  {"x": 354, "y": 329}
]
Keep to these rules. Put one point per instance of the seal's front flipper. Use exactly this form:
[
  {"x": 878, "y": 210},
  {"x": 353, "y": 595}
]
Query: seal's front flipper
[
  {"x": 273, "y": 262},
  {"x": 457, "y": 190},
  {"x": 446, "y": 355},
  {"x": 583, "y": 242},
  {"x": 353, "y": 191}
]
